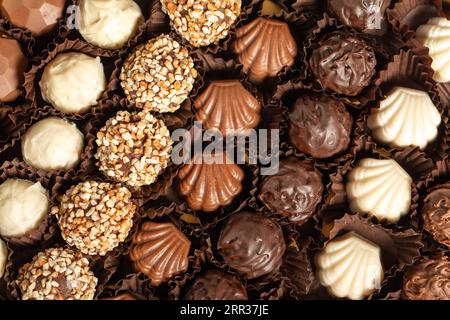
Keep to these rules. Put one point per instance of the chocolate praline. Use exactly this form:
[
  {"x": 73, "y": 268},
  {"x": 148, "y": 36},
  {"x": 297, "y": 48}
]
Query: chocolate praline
[
  {"x": 319, "y": 126},
  {"x": 252, "y": 244},
  {"x": 436, "y": 215},
  {"x": 343, "y": 63},
  {"x": 363, "y": 15},
  {"x": 12, "y": 67},
  {"x": 429, "y": 279},
  {"x": 216, "y": 285},
  {"x": 294, "y": 192}
]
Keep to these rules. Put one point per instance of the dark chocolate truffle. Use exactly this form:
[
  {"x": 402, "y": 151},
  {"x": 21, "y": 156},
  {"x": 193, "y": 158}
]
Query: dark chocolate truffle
[
  {"x": 363, "y": 15},
  {"x": 429, "y": 279},
  {"x": 343, "y": 63},
  {"x": 320, "y": 126},
  {"x": 295, "y": 191},
  {"x": 436, "y": 215},
  {"x": 252, "y": 244},
  {"x": 216, "y": 285},
  {"x": 12, "y": 67}
]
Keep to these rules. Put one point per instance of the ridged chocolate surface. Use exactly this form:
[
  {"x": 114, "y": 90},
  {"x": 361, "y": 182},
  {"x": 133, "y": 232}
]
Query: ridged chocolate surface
[{"x": 436, "y": 215}]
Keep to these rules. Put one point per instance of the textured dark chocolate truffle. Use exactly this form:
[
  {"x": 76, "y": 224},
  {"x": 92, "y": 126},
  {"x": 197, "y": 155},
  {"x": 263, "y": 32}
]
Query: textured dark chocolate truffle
[
  {"x": 436, "y": 215},
  {"x": 320, "y": 126},
  {"x": 294, "y": 191},
  {"x": 343, "y": 63},
  {"x": 216, "y": 285},
  {"x": 252, "y": 244},
  {"x": 429, "y": 279},
  {"x": 363, "y": 15}
]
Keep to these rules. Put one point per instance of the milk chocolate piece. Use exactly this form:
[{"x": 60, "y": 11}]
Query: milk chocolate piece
[
  {"x": 320, "y": 126},
  {"x": 264, "y": 47},
  {"x": 12, "y": 67},
  {"x": 38, "y": 16},
  {"x": 436, "y": 215},
  {"x": 294, "y": 191},
  {"x": 216, "y": 285},
  {"x": 343, "y": 63},
  {"x": 252, "y": 244}
]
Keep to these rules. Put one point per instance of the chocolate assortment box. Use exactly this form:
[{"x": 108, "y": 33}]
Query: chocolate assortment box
[{"x": 349, "y": 99}]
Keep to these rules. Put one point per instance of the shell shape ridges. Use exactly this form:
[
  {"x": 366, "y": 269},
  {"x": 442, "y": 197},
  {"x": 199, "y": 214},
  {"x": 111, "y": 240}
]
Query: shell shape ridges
[
  {"x": 435, "y": 35},
  {"x": 160, "y": 251},
  {"x": 405, "y": 117},
  {"x": 208, "y": 186},
  {"x": 264, "y": 47},
  {"x": 227, "y": 106},
  {"x": 350, "y": 267},
  {"x": 380, "y": 188}
]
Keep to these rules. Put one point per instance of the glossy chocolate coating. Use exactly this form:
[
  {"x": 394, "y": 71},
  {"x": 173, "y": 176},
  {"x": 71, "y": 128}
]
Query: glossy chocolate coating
[
  {"x": 216, "y": 285},
  {"x": 436, "y": 215},
  {"x": 420, "y": 15},
  {"x": 429, "y": 279},
  {"x": 38, "y": 16},
  {"x": 12, "y": 67},
  {"x": 343, "y": 63},
  {"x": 363, "y": 15},
  {"x": 252, "y": 244},
  {"x": 319, "y": 126},
  {"x": 295, "y": 191}
]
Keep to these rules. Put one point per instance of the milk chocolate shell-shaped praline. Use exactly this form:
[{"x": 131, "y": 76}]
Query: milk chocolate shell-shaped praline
[
  {"x": 227, "y": 106},
  {"x": 428, "y": 279},
  {"x": 264, "y": 47},
  {"x": 294, "y": 191},
  {"x": 436, "y": 215},
  {"x": 160, "y": 251},
  {"x": 320, "y": 126},
  {"x": 216, "y": 285},
  {"x": 252, "y": 244},
  {"x": 208, "y": 186},
  {"x": 12, "y": 67}
]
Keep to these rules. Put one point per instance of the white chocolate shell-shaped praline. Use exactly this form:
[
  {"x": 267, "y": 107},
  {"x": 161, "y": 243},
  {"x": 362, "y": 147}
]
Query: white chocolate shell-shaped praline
[
  {"x": 227, "y": 106},
  {"x": 350, "y": 267},
  {"x": 380, "y": 188},
  {"x": 405, "y": 117},
  {"x": 264, "y": 47},
  {"x": 435, "y": 35}
]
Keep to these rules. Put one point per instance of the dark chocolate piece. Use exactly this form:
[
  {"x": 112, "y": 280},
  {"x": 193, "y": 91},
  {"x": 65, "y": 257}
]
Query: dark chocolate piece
[
  {"x": 436, "y": 215},
  {"x": 343, "y": 63},
  {"x": 420, "y": 15},
  {"x": 320, "y": 126},
  {"x": 216, "y": 285},
  {"x": 252, "y": 244},
  {"x": 295, "y": 191},
  {"x": 12, "y": 67}
]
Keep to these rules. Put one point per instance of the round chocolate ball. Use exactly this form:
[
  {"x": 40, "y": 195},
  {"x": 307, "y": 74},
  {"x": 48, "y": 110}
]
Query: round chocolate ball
[
  {"x": 428, "y": 279},
  {"x": 57, "y": 274},
  {"x": 294, "y": 191},
  {"x": 252, "y": 244},
  {"x": 343, "y": 63},
  {"x": 216, "y": 285},
  {"x": 320, "y": 126},
  {"x": 12, "y": 67},
  {"x": 436, "y": 215},
  {"x": 95, "y": 217}
]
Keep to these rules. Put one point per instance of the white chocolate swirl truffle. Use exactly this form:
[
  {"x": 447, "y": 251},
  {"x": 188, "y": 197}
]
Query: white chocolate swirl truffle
[
  {"x": 23, "y": 205},
  {"x": 380, "y": 188},
  {"x": 73, "y": 82},
  {"x": 109, "y": 24},
  {"x": 350, "y": 267},
  {"x": 405, "y": 117},
  {"x": 3, "y": 257},
  {"x": 52, "y": 144},
  {"x": 435, "y": 35}
]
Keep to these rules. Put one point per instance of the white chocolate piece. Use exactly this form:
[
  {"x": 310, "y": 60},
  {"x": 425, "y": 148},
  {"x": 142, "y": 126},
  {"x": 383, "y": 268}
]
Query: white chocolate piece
[
  {"x": 109, "y": 24},
  {"x": 3, "y": 257},
  {"x": 23, "y": 205},
  {"x": 350, "y": 267},
  {"x": 380, "y": 188},
  {"x": 73, "y": 82},
  {"x": 405, "y": 117},
  {"x": 435, "y": 35},
  {"x": 52, "y": 144}
]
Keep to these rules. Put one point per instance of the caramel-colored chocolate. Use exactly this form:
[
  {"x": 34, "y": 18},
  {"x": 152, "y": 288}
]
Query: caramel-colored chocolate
[{"x": 12, "y": 67}]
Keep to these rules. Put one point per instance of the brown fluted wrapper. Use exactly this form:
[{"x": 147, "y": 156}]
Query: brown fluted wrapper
[{"x": 133, "y": 287}]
